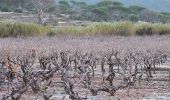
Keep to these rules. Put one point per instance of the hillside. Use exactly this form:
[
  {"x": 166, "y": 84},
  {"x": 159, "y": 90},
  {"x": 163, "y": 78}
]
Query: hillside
[
  {"x": 156, "y": 5},
  {"x": 96, "y": 10}
]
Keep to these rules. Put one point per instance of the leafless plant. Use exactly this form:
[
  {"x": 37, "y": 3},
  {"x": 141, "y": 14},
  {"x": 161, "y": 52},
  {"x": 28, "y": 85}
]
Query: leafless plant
[{"x": 117, "y": 66}]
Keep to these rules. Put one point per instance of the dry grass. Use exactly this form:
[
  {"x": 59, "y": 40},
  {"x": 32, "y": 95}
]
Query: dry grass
[
  {"x": 15, "y": 29},
  {"x": 118, "y": 28},
  {"x": 123, "y": 28}
]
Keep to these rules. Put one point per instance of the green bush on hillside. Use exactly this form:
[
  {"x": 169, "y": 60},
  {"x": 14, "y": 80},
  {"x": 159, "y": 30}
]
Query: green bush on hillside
[{"x": 5, "y": 8}]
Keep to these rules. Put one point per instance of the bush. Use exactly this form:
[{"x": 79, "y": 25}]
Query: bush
[
  {"x": 133, "y": 18},
  {"x": 18, "y": 10},
  {"x": 5, "y": 8},
  {"x": 51, "y": 33},
  {"x": 50, "y": 9},
  {"x": 101, "y": 28},
  {"x": 152, "y": 29},
  {"x": 15, "y": 29},
  {"x": 117, "y": 28},
  {"x": 161, "y": 29},
  {"x": 144, "y": 29}
]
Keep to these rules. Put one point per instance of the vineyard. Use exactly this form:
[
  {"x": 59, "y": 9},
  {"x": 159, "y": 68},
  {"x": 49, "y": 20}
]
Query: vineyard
[{"x": 84, "y": 68}]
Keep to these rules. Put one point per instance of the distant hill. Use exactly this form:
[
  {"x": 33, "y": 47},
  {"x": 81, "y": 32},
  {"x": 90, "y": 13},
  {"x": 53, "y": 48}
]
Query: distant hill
[{"x": 156, "y": 5}]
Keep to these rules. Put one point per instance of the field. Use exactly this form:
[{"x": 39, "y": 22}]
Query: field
[
  {"x": 74, "y": 50},
  {"x": 85, "y": 67}
]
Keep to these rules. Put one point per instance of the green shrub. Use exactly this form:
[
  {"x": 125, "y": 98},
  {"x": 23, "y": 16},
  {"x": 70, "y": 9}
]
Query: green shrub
[
  {"x": 15, "y": 29},
  {"x": 124, "y": 28},
  {"x": 161, "y": 29},
  {"x": 51, "y": 33},
  {"x": 101, "y": 28},
  {"x": 152, "y": 29},
  {"x": 50, "y": 9},
  {"x": 144, "y": 29},
  {"x": 117, "y": 28},
  {"x": 5, "y": 8},
  {"x": 19, "y": 10}
]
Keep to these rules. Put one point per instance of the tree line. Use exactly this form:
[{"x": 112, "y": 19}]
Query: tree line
[{"x": 78, "y": 10}]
